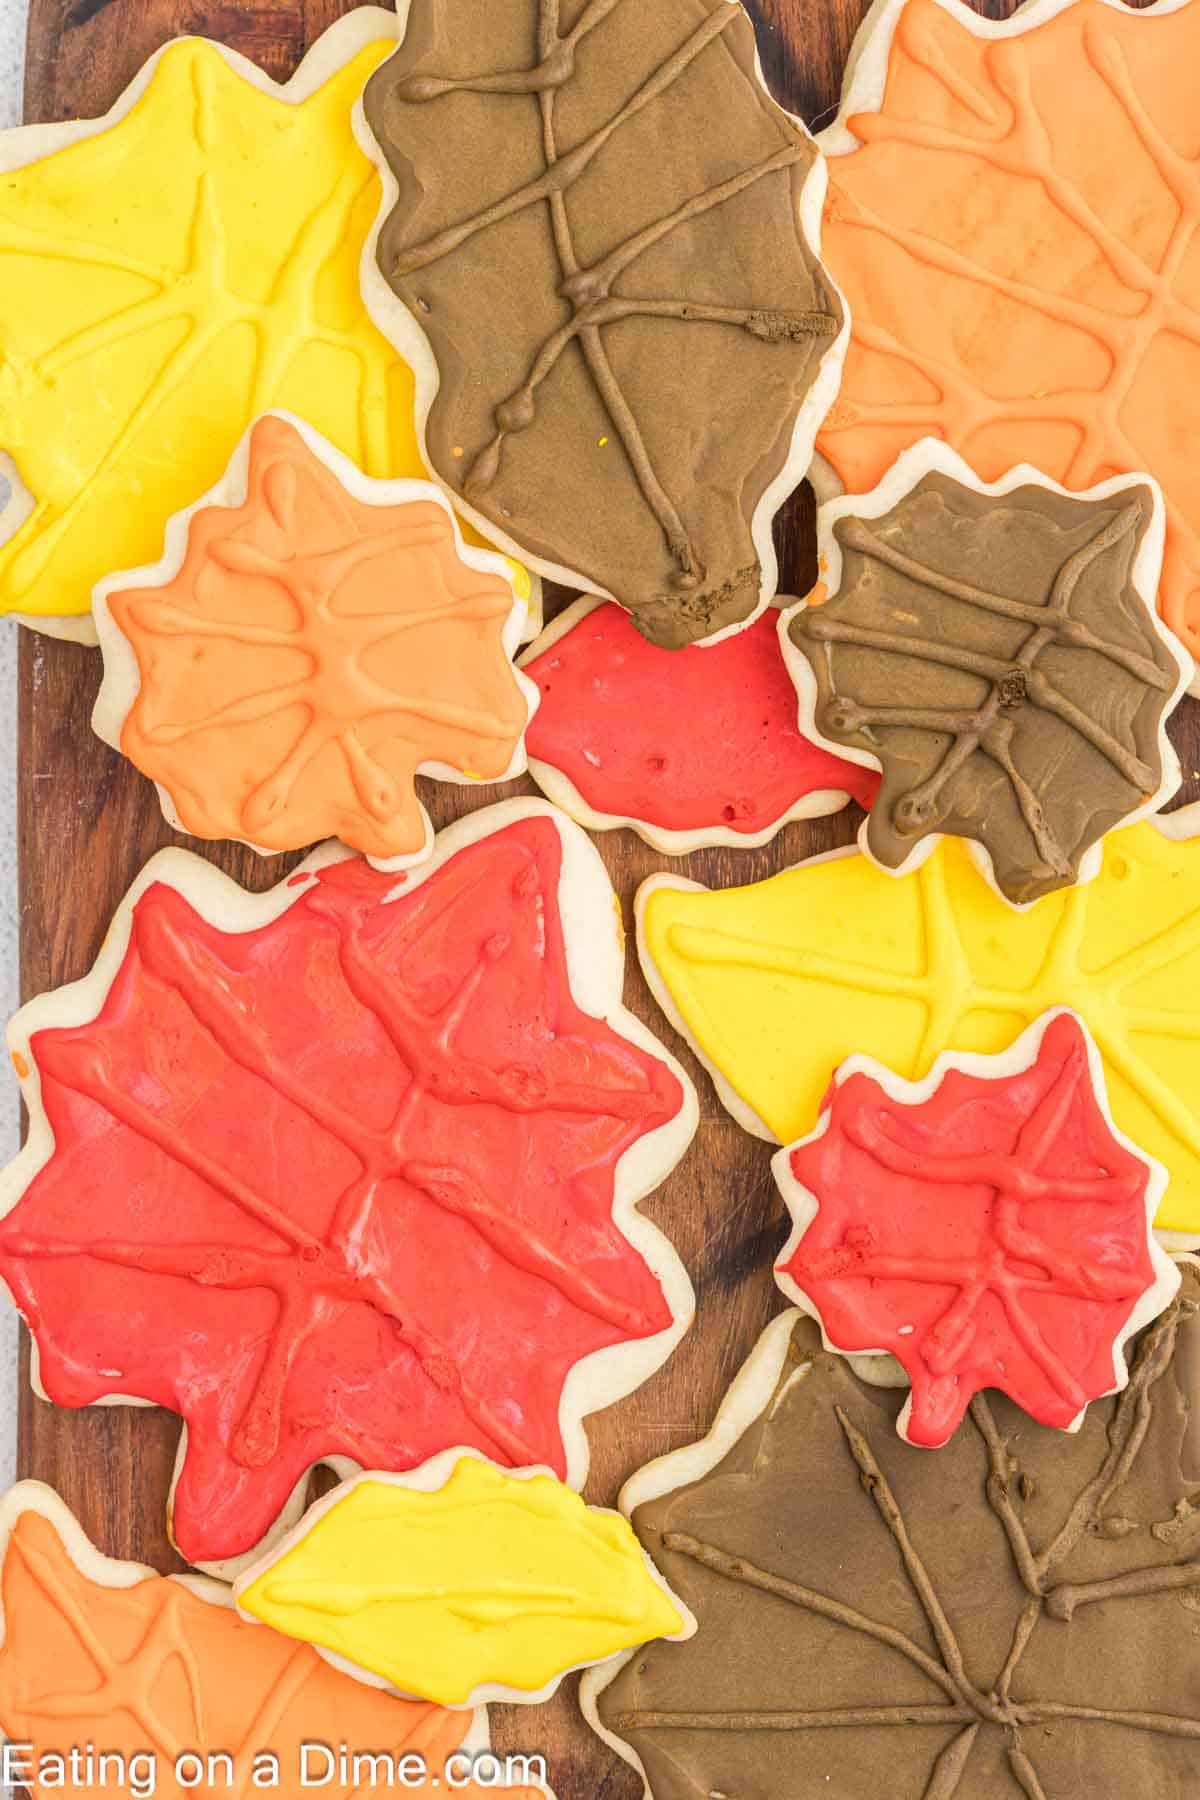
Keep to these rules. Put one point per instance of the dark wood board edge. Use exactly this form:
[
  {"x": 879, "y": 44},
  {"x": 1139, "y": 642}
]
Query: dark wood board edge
[{"x": 87, "y": 824}]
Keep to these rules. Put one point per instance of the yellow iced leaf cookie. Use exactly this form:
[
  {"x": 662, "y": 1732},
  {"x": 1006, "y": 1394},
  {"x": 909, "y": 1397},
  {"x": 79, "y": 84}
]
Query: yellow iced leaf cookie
[
  {"x": 463, "y": 1581},
  {"x": 168, "y": 273},
  {"x": 777, "y": 983}
]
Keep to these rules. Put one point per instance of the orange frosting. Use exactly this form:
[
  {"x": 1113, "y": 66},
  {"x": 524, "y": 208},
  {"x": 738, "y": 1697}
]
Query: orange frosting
[
  {"x": 154, "y": 1668},
  {"x": 312, "y": 652},
  {"x": 1017, "y": 238}
]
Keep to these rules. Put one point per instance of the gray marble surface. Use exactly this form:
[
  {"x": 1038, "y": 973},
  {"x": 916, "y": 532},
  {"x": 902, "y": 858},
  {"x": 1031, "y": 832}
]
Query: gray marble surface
[{"x": 12, "y": 46}]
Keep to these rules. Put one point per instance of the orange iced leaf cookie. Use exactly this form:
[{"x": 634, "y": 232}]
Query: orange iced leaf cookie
[
  {"x": 311, "y": 640},
  {"x": 103, "y": 1657},
  {"x": 1012, "y": 216}
]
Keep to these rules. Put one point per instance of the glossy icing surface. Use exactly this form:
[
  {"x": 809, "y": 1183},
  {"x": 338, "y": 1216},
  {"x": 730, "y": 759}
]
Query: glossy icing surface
[
  {"x": 1012, "y": 289},
  {"x": 163, "y": 283},
  {"x": 340, "y": 1185},
  {"x": 998, "y": 655},
  {"x": 992, "y": 1235},
  {"x": 615, "y": 274},
  {"x": 1011, "y": 1618},
  {"x": 488, "y": 1579},
  {"x": 311, "y": 653},
  {"x": 154, "y": 1669},
  {"x": 779, "y": 982},
  {"x": 685, "y": 740}
]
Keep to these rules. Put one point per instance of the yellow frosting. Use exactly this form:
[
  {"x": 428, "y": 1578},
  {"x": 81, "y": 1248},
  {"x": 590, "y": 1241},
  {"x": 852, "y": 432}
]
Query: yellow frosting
[
  {"x": 779, "y": 982},
  {"x": 162, "y": 283},
  {"x": 491, "y": 1579}
]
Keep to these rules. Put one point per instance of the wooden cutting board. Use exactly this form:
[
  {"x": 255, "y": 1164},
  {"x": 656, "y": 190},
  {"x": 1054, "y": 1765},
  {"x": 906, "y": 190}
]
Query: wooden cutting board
[{"x": 88, "y": 822}]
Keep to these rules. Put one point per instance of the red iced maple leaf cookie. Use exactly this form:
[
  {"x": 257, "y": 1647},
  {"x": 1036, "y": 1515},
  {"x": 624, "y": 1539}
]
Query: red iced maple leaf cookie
[
  {"x": 348, "y": 1170},
  {"x": 988, "y": 1226}
]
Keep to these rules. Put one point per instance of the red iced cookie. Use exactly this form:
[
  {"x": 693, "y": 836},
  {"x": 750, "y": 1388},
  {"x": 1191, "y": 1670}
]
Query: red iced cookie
[
  {"x": 350, "y": 1170},
  {"x": 988, "y": 1226},
  {"x": 689, "y": 747}
]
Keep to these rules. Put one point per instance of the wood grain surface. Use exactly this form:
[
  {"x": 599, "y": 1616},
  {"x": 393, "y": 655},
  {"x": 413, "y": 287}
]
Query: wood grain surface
[{"x": 88, "y": 822}]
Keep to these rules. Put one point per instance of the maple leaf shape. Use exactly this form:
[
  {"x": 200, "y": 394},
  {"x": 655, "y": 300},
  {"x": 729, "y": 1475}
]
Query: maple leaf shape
[
  {"x": 777, "y": 983},
  {"x": 104, "y": 1653},
  {"x": 611, "y": 290},
  {"x": 462, "y": 1582},
  {"x": 311, "y": 641},
  {"x": 996, "y": 652},
  {"x": 351, "y": 1170},
  {"x": 614, "y": 741},
  {"x": 1011, "y": 1619},
  {"x": 168, "y": 273},
  {"x": 987, "y": 1226},
  {"x": 1010, "y": 290}
]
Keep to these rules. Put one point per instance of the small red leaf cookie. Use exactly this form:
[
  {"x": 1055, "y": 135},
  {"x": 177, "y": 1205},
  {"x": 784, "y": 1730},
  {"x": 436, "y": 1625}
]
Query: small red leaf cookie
[
  {"x": 687, "y": 747},
  {"x": 988, "y": 1226},
  {"x": 349, "y": 1171}
]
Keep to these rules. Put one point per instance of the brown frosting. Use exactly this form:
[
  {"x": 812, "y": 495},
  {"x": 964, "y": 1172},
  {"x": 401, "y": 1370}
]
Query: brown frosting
[
  {"x": 996, "y": 658},
  {"x": 599, "y": 233},
  {"x": 1016, "y": 1615}
]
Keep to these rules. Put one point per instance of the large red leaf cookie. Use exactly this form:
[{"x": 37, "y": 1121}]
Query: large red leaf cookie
[
  {"x": 1012, "y": 216},
  {"x": 988, "y": 1226},
  {"x": 155, "y": 1674},
  {"x": 350, "y": 1170}
]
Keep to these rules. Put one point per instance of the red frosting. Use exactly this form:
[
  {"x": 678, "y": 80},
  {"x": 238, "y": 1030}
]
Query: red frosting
[
  {"x": 688, "y": 740},
  {"x": 340, "y": 1185},
  {"x": 994, "y": 1235}
]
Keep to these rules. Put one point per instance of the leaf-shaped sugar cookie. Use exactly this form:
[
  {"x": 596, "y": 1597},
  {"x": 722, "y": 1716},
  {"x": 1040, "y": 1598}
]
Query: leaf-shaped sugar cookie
[
  {"x": 599, "y": 253},
  {"x": 350, "y": 1170},
  {"x": 1011, "y": 1618},
  {"x": 987, "y": 1227},
  {"x": 109, "y": 1654},
  {"x": 777, "y": 983},
  {"x": 463, "y": 1581},
  {"x": 168, "y": 273},
  {"x": 615, "y": 740},
  {"x": 310, "y": 641}
]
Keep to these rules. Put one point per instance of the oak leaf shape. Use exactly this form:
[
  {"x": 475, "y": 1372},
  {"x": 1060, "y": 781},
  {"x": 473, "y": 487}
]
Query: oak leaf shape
[
  {"x": 463, "y": 1582},
  {"x": 167, "y": 274},
  {"x": 1001, "y": 1621},
  {"x": 776, "y": 984},
  {"x": 1011, "y": 217},
  {"x": 111, "y": 1655},
  {"x": 338, "y": 1172},
  {"x": 987, "y": 1227},
  {"x": 310, "y": 648},
  {"x": 996, "y": 652},
  {"x": 598, "y": 250},
  {"x": 689, "y": 747}
]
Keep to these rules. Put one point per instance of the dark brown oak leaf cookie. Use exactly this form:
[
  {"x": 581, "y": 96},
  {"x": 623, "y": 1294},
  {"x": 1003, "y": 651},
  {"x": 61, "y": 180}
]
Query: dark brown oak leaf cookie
[
  {"x": 1013, "y": 1617},
  {"x": 598, "y": 254},
  {"x": 997, "y": 654}
]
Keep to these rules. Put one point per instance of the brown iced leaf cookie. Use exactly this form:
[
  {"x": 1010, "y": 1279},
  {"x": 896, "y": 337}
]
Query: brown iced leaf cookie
[
  {"x": 1011, "y": 1618},
  {"x": 997, "y": 654},
  {"x": 599, "y": 251}
]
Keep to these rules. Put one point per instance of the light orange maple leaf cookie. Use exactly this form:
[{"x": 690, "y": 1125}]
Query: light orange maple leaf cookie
[
  {"x": 109, "y": 1657},
  {"x": 1012, "y": 216},
  {"x": 309, "y": 642}
]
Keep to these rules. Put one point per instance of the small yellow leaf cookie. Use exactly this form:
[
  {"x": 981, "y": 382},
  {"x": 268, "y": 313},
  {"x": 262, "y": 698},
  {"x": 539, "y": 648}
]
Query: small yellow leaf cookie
[{"x": 463, "y": 1580}]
